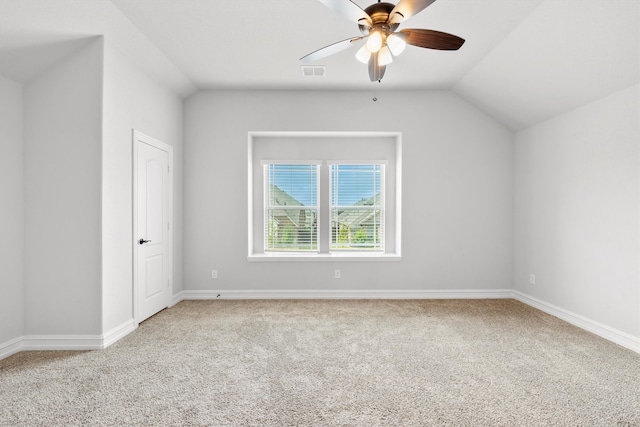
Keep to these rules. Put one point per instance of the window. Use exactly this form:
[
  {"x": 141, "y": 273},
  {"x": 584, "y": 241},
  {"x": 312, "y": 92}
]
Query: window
[
  {"x": 291, "y": 207},
  {"x": 343, "y": 205},
  {"x": 357, "y": 207}
]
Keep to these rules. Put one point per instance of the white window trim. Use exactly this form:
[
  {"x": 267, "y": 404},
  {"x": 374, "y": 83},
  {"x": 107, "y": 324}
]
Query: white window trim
[{"x": 333, "y": 256}]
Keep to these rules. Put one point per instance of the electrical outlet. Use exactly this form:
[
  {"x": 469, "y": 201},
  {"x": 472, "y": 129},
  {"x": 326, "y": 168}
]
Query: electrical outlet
[
  {"x": 336, "y": 274},
  {"x": 214, "y": 274},
  {"x": 532, "y": 279}
]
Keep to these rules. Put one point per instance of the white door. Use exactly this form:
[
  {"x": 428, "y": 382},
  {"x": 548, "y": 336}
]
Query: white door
[{"x": 152, "y": 226}]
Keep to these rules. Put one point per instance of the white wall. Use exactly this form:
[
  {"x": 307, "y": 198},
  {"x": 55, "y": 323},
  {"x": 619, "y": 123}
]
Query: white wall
[
  {"x": 457, "y": 189},
  {"x": 62, "y": 151},
  {"x": 11, "y": 212},
  {"x": 577, "y": 211},
  {"x": 132, "y": 101}
]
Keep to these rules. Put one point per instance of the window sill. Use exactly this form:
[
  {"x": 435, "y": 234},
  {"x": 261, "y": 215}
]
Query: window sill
[{"x": 333, "y": 257}]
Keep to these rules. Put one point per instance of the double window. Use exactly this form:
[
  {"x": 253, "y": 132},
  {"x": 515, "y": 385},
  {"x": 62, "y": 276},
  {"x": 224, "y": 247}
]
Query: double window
[
  {"x": 294, "y": 206},
  {"x": 324, "y": 196}
]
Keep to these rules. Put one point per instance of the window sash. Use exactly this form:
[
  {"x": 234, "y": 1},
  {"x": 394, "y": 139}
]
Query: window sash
[
  {"x": 291, "y": 212},
  {"x": 357, "y": 207}
]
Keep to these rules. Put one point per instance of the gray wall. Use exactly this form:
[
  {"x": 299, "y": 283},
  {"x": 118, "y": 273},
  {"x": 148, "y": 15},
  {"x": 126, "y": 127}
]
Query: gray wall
[
  {"x": 565, "y": 199},
  {"x": 66, "y": 184},
  {"x": 62, "y": 149},
  {"x": 132, "y": 101},
  {"x": 457, "y": 190},
  {"x": 577, "y": 186},
  {"x": 11, "y": 212}
]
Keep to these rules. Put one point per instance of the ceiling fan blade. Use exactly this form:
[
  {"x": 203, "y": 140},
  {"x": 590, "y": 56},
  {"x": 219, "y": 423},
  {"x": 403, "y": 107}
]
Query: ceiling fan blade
[
  {"x": 376, "y": 71},
  {"x": 329, "y": 50},
  {"x": 406, "y": 9},
  {"x": 431, "y": 39},
  {"x": 349, "y": 10}
]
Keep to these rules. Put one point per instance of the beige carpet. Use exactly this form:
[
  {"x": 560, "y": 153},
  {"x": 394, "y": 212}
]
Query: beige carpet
[{"x": 332, "y": 363}]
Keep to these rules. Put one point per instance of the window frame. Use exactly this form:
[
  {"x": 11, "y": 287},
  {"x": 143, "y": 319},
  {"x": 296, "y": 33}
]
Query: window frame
[{"x": 255, "y": 160}]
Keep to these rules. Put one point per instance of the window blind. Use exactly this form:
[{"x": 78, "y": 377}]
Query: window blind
[
  {"x": 357, "y": 207},
  {"x": 291, "y": 207}
]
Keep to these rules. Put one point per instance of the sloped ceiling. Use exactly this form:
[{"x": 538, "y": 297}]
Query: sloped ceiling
[
  {"x": 567, "y": 53},
  {"x": 35, "y": 34},
  {"x": 258, "y": 44},
  {"x": 524, "y": 61}
]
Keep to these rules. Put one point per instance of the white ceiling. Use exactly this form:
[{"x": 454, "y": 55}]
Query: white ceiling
[{"x": 523, "y": 61}]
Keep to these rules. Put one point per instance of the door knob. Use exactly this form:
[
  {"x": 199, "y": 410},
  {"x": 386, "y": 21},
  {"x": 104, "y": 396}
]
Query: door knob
[{"x": 142, "y": 241}]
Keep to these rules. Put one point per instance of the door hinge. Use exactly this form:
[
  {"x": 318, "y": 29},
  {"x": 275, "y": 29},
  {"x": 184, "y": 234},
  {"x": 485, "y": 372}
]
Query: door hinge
[{"x": 168, "y": 226}]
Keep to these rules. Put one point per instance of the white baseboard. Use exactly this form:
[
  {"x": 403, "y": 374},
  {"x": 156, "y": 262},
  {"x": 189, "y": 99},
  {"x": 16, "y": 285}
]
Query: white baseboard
[
  {"x": 97, "y": 342},
  {"x": 614, "y": 335},
  {"x": 66, "y": 342},
  {"x": 176, "y": 298},
  {"x": 62, "y": 342},
  {"x": 348, "y": 294},
  {"x": 11, "y": 347},
  {"x": 118, "y": 332}
]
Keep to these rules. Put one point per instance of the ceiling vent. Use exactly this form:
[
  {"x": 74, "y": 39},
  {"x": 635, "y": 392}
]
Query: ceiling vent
[{"x": 314, "y": 70}]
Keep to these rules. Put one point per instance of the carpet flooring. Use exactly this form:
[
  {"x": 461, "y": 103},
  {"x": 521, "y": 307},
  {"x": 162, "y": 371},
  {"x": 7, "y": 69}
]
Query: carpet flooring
[{"x": 332, "y": 363}]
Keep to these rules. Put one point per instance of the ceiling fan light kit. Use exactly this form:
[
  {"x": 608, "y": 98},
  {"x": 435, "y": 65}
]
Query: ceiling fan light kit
[
  {"x": 378, "y": 24},
  {"x": 374, "y": 41},
  {"x": 363, "y": 54},
  {"x": 384, "y": 56},
  {"x": 396, "y": 43}
]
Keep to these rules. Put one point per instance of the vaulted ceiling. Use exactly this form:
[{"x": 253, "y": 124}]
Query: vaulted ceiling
[{"x": 524, "y": 61}]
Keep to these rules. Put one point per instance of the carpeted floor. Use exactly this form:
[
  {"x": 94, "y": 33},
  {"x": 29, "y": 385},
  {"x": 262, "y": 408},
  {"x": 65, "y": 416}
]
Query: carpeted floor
[{"x": 332, "y": 363}]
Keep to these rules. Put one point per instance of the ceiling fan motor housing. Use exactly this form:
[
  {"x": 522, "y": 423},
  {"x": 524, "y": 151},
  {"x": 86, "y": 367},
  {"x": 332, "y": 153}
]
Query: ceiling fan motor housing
[{"x": 379, "y": 13}]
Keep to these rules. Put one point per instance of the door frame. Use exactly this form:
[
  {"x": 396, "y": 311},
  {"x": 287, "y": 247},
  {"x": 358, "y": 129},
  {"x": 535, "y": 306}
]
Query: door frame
[{"x": 137, "y": 139}]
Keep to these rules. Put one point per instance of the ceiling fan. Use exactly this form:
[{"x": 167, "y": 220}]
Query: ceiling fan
[{"x": 378, "y": 24}]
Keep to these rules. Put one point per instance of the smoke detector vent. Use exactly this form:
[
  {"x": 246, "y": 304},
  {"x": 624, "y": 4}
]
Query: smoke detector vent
[{"x": 314, "y": 70}]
